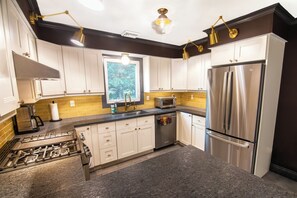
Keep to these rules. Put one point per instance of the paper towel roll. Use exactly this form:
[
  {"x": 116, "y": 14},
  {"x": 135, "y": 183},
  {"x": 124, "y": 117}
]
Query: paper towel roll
[{"x": 54, "y": 111}]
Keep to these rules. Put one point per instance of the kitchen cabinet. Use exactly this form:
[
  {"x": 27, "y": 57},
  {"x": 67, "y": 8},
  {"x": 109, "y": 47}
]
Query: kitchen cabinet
[
  {"x": 8, "y": 94},
  {"x": 198, "y": 132},
  {"x": 83, "y": 70},
  {"x": 94, "y": 71},
  {"x": 178, "y": 75},
  {"x": 75, "y": 77},
  {"x": 197, "y": 72},
  {"x": 135, "y": 136},
  {"x": 184, "y": 127},
  {"x": 252, "y": 49},
  {"x": 50, "y": 55},
  {"x": 157, "y": 74},
  {"x": 29, "y": 91},
  {"x": 86, "y": 133}
]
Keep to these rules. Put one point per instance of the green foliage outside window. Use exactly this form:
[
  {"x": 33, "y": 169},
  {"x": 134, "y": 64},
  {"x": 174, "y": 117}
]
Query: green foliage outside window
[{"x": 121, "y": 80}]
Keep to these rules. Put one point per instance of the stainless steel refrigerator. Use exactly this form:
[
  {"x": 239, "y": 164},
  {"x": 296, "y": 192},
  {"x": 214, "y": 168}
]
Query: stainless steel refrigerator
[{"x": 233, "y": 112}]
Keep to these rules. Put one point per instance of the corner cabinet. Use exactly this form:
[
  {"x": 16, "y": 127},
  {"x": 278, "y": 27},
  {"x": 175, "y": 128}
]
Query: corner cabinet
[
  {"x": 184, "y": 127},
  {"x": 157, "y": 74},
  {"x": 252, "y": 49},
  {"x": 197, "y": 72},
  {"x": 50, "y": 55},
  {"x": 198, "y": 132}
]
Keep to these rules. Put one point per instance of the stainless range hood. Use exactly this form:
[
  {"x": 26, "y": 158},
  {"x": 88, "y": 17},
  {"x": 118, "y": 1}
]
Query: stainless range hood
[{"x": 26, "y": 68}]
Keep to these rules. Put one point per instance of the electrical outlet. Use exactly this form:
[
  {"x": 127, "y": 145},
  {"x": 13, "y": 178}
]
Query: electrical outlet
[
  {"x": 72, "y": 103},
  {"x": 173, "y": 95},
  {"x": 147, "y": 97},
  {"x": 192, "y": 97}
]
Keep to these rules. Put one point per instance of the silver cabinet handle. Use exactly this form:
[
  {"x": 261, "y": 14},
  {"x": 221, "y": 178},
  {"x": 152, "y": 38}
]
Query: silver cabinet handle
[
  {"x": 245, "y": 145},
  {"x": 89, "y": 91},
  {"x": 230, "y": 61},
  {"x": 106, "y": 128}
]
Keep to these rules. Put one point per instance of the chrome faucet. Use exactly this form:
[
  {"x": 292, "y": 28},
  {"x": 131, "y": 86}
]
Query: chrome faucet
[{"x": 127, "y": 104}]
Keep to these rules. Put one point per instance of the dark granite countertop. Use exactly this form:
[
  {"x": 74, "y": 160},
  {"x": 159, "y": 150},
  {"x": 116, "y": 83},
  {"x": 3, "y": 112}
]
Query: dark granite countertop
[
  {"x": 70, "y": 123},
  {"x": 42, "y": 179},
  {"x": 186, "y": 172}
]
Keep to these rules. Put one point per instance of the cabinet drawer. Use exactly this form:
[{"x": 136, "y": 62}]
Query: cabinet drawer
[
  {"x": 145, "y": 120},
  {"x": 106, "y": 127},
  {"x": 126, "y": 124},
  {"x": 107, "y": 140},
  {"x": 108, "y": 155},
  {"x": 198, "y": 120}
]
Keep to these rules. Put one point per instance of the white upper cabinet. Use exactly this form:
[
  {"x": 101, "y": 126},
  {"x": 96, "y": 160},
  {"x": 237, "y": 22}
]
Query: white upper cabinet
[
  {"x": 178, "y": 74},
  {"x": 8, "y": 93},
  {"x": 74, "y": 69},
  {"x": 197, "y": 72},
  {"x": 252, "y": 49},
  {"x": 94, "y": 71},
  {"x": 50, "y": 55},
  {"x": 157, "y": 74}
]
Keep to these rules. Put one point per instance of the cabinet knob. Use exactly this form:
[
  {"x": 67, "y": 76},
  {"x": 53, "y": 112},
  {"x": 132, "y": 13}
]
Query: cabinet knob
[
  {"x": 107, "y": 140},
  {"x": 139, "y": 128},
  {"x": 127, "y": 124},
  {"x": 26, "y": 54},
  {"x": 108, "y": 155},
  {"x": 84, "y": 91},
  {"x": 106, "y": 127},
  {"x": 135, "y": 128},
  {"x": 88, "y": 128},
  {"x": 64, "y": 92},
  {"x": 230, "y": 61},
  {"x": 89, "y": 91},
  {"x": 235, "y": 60}
]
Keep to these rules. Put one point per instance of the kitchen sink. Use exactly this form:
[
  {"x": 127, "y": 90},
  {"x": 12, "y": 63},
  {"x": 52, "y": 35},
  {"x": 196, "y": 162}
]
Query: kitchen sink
[{"x": 132, "y": 113}]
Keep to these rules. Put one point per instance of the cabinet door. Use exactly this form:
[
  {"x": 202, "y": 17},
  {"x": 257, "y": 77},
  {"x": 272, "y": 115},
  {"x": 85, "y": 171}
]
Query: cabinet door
[
  {"x": 75, "y": 78},
  {"x": 24, "y": 38},
  {"x": 222, "y": 55},
  {"x": 198, "y": 136},
  {"x": 164, "y": 73},
  {"x": 32, "y": 47},
  {"x": 146, "y": 138},
  {"x": 127, "y": 142},
  {"x": 108, "y": 155},
  {"x": 94, "y": 71},
  {"x": 154, "y": 62},
  {"x": 178, "y": 74},
  {"x": 50, "y": 55},
  {"x": 185, "y": 128},
  {"x": 251, "y": 49},
  {"x": 86, "y": 134},
  {"x": 8, "y": 93},
  {"x": 194, "y": 73},
  {"x": 206, "y": 64}
]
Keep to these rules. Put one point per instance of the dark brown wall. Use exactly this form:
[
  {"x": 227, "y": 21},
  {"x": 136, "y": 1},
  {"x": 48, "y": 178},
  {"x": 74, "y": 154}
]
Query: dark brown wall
[{"x": 285, "y": 139}]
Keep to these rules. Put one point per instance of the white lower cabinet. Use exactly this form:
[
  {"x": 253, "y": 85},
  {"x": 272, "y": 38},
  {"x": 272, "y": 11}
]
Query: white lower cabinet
[
  {"x": 135, "y": 136},
  {"x": 108, "y": 154},
  {"x": 191, "y": 130},
  {"x": 198, "y": 132}
]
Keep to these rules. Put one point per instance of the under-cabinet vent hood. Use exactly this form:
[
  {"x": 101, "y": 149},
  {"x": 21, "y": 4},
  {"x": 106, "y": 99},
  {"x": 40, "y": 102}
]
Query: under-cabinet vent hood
[{"x": 26, "y": 68}]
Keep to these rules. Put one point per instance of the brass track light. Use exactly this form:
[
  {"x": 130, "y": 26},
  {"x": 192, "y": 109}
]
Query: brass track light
[
  {"x": 213, "y": 36},
  {"x": 78, "y": 37},
  {"x": 186, "y": 55}
]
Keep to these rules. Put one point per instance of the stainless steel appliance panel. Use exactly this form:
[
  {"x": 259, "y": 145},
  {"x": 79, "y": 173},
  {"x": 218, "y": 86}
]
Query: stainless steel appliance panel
[
  {"x": 231, "y": 150},
  {"x": 165, "y": 102},
  {"x": 165, "y": 133},
  {"x": 216, "y": 99},
  {"x": 243, "y": 89}
]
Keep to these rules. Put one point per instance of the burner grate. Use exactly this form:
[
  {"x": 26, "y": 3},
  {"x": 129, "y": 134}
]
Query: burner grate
[{"x": 6, "y": 149}]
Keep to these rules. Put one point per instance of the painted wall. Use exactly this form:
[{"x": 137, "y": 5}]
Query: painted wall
[
  {"x": 6, "y": 131},
  {"x": 92, "y": 105}
]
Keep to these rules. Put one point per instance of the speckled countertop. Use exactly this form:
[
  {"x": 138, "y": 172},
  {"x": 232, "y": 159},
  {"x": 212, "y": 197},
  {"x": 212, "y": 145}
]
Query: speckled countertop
[
  {"x": 186, "y": 172},
  {"x": 42, "y": 179},
  {"x": 70, "y": 123}
]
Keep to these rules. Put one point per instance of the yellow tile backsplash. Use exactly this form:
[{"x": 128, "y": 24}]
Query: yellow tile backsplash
[
  {"x": 6, "y": 131},
  {"x": 92, "y": 105}
]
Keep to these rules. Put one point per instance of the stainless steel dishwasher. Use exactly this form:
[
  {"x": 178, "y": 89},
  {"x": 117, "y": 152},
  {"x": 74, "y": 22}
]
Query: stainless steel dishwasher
[{"x": 165, "y": 133}]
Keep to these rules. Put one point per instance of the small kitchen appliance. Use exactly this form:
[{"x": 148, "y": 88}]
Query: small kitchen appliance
[{"x": 165, "y": 102}]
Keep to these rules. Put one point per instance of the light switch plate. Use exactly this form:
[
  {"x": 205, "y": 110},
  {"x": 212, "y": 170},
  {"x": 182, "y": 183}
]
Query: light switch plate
[
  {"x": 192, "y": 97},
  {"x": 147, "y": 97},
  {"x": 72, "y": 103}
]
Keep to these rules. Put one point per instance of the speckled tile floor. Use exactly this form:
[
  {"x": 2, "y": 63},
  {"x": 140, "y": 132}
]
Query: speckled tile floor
[{"x": 272, "y": 177}]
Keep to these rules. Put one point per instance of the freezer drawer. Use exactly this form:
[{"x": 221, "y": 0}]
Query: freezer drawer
[{"x": 231, "y": 150}]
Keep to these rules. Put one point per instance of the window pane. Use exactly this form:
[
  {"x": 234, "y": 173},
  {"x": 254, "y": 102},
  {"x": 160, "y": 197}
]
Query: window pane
[{"x": 121, "y": 79}]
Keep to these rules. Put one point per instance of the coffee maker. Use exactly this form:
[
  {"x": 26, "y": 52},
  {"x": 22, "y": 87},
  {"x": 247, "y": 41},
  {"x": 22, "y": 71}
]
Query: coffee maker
[{"x": 26, "y": 121}]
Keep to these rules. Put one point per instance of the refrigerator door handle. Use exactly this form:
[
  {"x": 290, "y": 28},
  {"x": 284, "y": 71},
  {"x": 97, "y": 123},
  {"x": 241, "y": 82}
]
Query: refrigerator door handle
[
  {"x": 224, "y": 98},
  {"x": 245, "y": 145},
  {"x": 229, "y": 99}
]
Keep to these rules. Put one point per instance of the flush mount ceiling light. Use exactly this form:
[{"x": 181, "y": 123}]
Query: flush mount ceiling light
[
  {"x": 213, "y": 36},
  {"x": 125, "y": 59},
  {"x": 96, "y": 5},
  {"x": 162, "y": 23},
  {"x": 186, "y": 55},
  {"x": 78, "y": 37}
]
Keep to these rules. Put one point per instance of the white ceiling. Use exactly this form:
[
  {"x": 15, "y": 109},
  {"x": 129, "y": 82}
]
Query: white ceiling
[{"x": 190, "y": 17}]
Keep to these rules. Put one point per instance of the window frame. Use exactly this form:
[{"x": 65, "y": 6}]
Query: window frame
[{"x": 141, "y": 89}]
